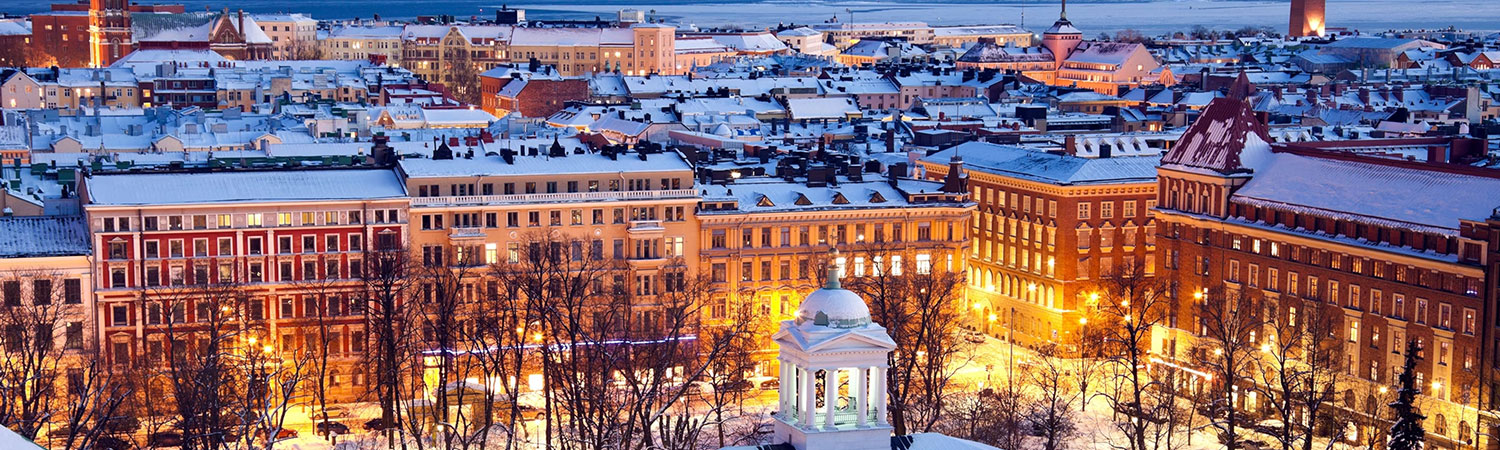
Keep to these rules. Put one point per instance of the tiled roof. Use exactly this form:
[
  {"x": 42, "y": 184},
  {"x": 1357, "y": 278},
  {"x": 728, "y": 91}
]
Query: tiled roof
[{"x": 1217, "y": 138}]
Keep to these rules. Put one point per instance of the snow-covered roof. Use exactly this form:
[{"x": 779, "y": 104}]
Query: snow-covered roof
[
  {"x": 775, "y": 195},
  {"x": 14, "y": 27},
  {"x": 1368, "y": 192},
  {"x": 1037, "y": 165},
  {"x": 243, "y": 187},
  {"x": 40, "y": 236},
  {"x": 1115, "y": 53},
  {"x": 10, "y": 440},
  {"x": 831, "y": 108},
  {"x": 1226, "y": 129},
  {"x": 750, "y": 42},
  {"x": 572, "y": 164},
  {"x": 457, "y": 117}
]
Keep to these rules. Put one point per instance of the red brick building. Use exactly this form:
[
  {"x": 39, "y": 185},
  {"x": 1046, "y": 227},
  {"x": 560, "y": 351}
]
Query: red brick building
[
  {"x": 1047, "y": 227},
  {"x": 506, "y": 90},
  {"x": 290, "y": 245},
  {"x": 1394, "y": 249},
  {"x": 89, "y": 33}
]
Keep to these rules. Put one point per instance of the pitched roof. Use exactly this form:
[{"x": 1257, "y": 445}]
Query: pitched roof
[
  {"x": 31, "y": 237},
  {"x": 1215, "y": 141},
  {"x": 1040, "y": 166}
]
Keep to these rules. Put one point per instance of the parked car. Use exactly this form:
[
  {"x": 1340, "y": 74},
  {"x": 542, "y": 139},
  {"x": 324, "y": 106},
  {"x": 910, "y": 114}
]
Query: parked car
[
  {"x": 771, "y": 384},
  {"x": 164, "y": 439},
  {"x": 334, "y": 412},
  {"x": 698, "y": 388},
  {"x": 379, "y": 424},
  {"x": 738, "y": 385},
  {"x": 112, "y": 443},
  {"x": 334, "y": 427},
  {"x": 281, "y": 434},
  {"x": 122, "y": 425}
]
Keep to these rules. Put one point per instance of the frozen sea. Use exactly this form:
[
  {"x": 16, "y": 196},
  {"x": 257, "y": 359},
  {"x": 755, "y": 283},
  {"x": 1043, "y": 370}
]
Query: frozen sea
[{"x": 1151, "y": 17}]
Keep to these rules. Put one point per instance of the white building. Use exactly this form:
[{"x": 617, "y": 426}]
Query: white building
[
  {"x": 832, "y": 337},
  {"x": 288, "y": 32}
]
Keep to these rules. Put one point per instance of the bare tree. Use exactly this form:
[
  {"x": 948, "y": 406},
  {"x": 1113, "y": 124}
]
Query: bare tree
[
  {"x": 387, "y": 284},
  {"x": 1131, "y": 304},
  {"x": 1229, "y": 321},
  {"x": 921, "y": 308},
  {"x": 203, "y": 355},
  {"x": 304, "y": 50},
  {"x": 33, "y": 316},
  {"x": 1301, "y": 367},
  {"x": 1051, "y": 414}
]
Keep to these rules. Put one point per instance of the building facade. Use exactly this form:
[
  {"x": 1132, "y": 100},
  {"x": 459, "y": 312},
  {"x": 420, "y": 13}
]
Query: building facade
[
  {"x": 171, "y": 249},
  {"x": 1043, "y": 238},
  {"x": 1240, "y": 216}
]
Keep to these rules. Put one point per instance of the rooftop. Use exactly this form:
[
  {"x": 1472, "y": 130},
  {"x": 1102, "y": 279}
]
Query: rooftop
[
  {"x": 32, "y": 237},
  {"x": 243, "y": 187}
]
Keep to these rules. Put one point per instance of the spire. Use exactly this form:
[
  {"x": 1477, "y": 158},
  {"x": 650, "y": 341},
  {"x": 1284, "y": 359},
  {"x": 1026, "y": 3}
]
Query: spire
[
  {"x": 1064, "y": 15},
  {"x": 833, "y": 270}
]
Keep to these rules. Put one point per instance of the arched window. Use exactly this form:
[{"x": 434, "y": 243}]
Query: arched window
[
  {"x": 1440, "y": 424},
  {"x": 333, "y": 378}
]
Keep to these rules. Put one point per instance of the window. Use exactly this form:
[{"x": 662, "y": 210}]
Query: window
[
  {"x": 1421, "y": 315},
  {"x": 1469, "y": 321},
  {"x": 1084, "y": 210},
  {"x": 73, "y": 291}
]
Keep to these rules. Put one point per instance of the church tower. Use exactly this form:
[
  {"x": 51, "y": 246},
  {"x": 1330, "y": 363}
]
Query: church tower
[
  {"x": 1061, "y": 38},
  {"x": 1307, "y": 18},
  {"x": 833, "y": 372},
  {"x": 109, "y": 31}
]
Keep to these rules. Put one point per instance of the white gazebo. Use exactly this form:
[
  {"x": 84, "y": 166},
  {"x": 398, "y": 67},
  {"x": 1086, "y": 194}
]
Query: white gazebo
[{"x": 833, "y": 347}]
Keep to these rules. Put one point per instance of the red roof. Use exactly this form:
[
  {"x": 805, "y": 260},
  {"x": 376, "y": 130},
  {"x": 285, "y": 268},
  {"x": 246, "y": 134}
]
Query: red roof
[{"x": 1215, "y": 140}]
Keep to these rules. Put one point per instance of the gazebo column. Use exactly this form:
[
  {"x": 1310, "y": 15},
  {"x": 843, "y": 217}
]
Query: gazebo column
[
  {"x": 809, "y": 404},
  {"x": 862, "y": 395},
  {"x": 879, "y": 396},
  {"x": 830, "y": 395}
]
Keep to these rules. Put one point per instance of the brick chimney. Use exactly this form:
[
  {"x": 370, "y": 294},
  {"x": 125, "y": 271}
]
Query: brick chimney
[
  {"x": 242, "y": 25},
  {"x": 1070, "y": 145}
]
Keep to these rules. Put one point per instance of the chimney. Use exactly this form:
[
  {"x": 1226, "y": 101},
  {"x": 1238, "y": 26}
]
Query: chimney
[
  {"x": 955, "y": 181},
  {"x": 1070, "y": 145},
  {"x": 242, "y": 24}
]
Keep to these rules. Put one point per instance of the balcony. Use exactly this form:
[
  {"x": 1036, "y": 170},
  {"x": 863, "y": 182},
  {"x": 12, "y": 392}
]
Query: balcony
[
  {"x": 646, "y": 228},
  {"x": 466, "y": 233},
  {"x": 562, "y": 197}
]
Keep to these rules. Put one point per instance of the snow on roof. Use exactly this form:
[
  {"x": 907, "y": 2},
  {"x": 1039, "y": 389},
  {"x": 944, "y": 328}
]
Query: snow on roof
[
  {"x": 700, "y": 45},
  {"x": 14, "y": 27},
  {"x": 583, "y": 37},
  {"x": 938, "y": 441},
  {"x": 10, "y": 440},
  {"x": 459, "y": 116},
  {"x": 573, "y": 164},
  {"x": 769, "y": 195},
  {"x": 31, "y": 237},
  {"x": 1432, "y": 200},
  {"x": 385, "y": 32},
  {"x": 987, "y": 52},
  {"x": 751, "y": 42},
  {"x": 1379, "y": 43},
  {"x": 186, "y": 27},
  {"x": 146, "y": 60},
  {"x": 243, "y": 187},
  {"x": 1036, "y": 165},
  {"x": 1216, "y": 140},
  {"x": 983, "y": 30},
  {"x": 822, "y": 108},
  {"x": 253, "y": 33},
  {"x": 1062, "y": 26},
  {"x": 799, "y": 31},
  {"x": 1105, "y": 52}
]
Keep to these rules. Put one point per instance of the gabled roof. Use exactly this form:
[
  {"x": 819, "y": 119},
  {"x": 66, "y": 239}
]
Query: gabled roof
[{"x": 1216, "y": 140}]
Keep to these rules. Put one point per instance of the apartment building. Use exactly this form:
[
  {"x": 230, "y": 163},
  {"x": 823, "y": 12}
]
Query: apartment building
[
  {"x": 44, "y": 271},
  {"x": 642, "y": 49},
  {"x": 764, "y": 239},
  {"x": 288, "y": 245},
  {"x": 1392, "y": 249},
  {"x": 376, "y": 44},
  {"x": 291, "y": 34},
  {"x": 1046, "y": 228},
  {"x": 470, "y": 210}
]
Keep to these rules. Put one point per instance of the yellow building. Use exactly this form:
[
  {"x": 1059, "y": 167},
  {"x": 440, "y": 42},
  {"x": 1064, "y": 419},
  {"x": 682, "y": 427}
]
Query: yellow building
[
  {"x": 764, "y": 239},
  {"x": 643, "y": 49}
]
